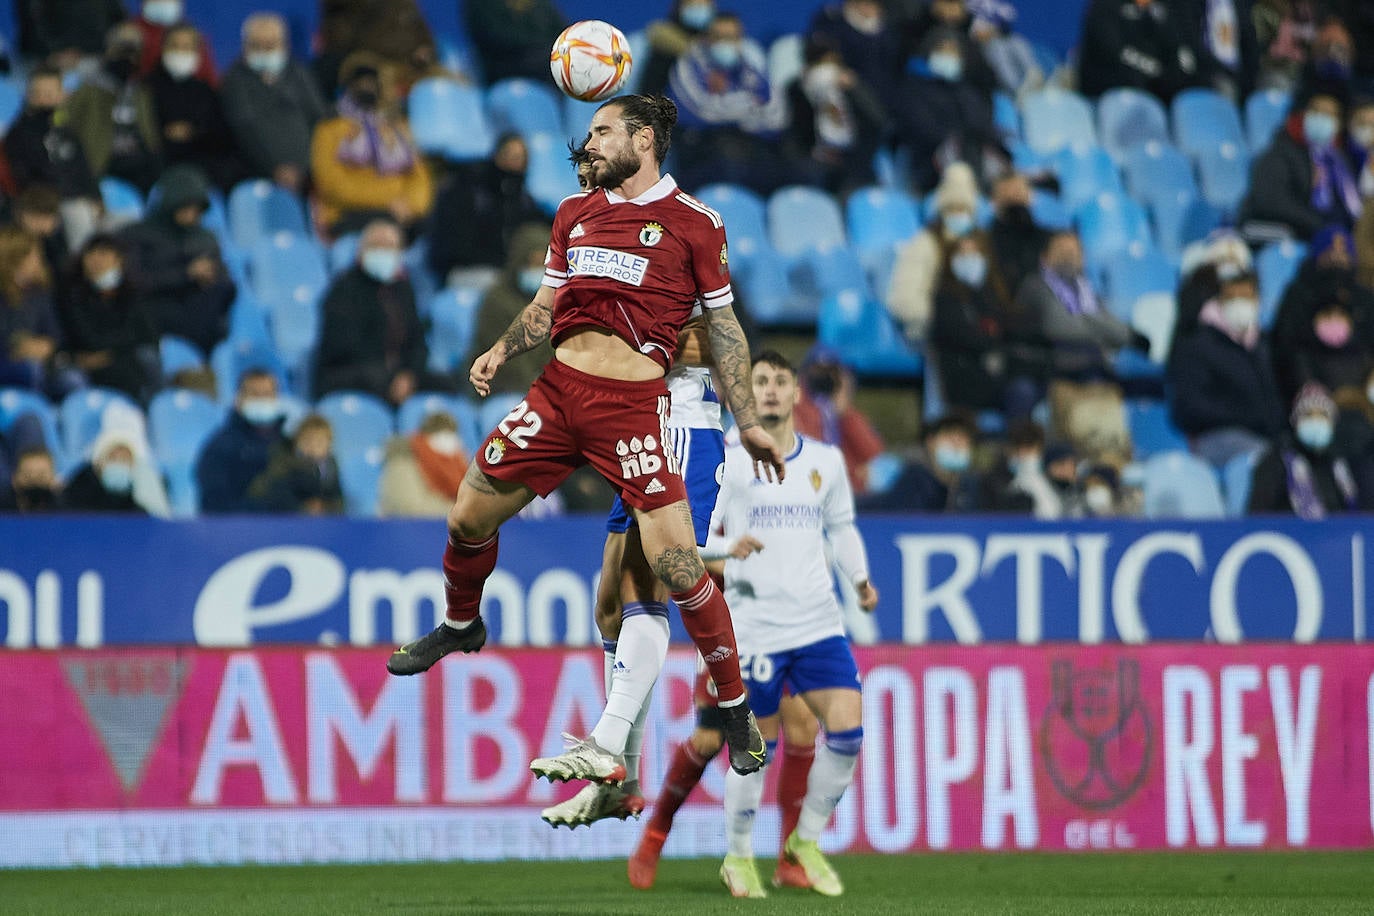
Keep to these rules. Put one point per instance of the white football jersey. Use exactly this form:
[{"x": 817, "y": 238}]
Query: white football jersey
[
  {"x": 695, "y": 404},
  {"x": 783, "y": 597}
]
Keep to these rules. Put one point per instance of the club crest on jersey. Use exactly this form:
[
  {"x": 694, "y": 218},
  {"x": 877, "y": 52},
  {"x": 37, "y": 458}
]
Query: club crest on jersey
[
  {"x": 816, "y": 480},
  {"x": 496, "y": 450},
  {"x": 651, "y": 234},
  {"x": 577, "y": 232}
]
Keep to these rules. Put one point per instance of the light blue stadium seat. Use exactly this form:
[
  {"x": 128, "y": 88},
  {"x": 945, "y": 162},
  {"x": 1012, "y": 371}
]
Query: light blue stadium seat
[
  {"x": 343, "y": 252},
  {"x": 15, "y": 402},
  {"x": 866, "y": 337},
  {"x": 746, "y": 220},
  {"x": 1157, "y": 170},
  {"x": 814, "y": 276},
  {"x": 179, "y": 423},
  {"x": 232, "y": 357},
  {"x": 550, "y": 177},
  {"x": 295, "y": 335},
  {"x": 284, "y": 262},
  {"x": 1204, "y": 119},
  {"x": 1154, "y": 315},
  {"x": 216, "y": 216},
  {"x": 360, "y": 478},
  {"x": 1054, "y": 118},
  {"x": 1276, "y": 265},
  {"x": 248, "y": 320},
  {"x": 1181, "y": 219},
  {"x": 178, "y": 354},
  {"x": 1236, "y": 478},
  {"x": 11, "y": 101},
  {"x": 422, "y": 279},
  {"x": 80, "y": 416},
  {"x": 1005, "y": 117},
  {"x": 893, "y": 168},
  {"x": 1110, "y": 224},
  {"x": 786, "y": 58},
  {"x": 1135, "y": 272},
  {"x": 453, "y": 316},
  {"x": 1224, "y": 173},
  {"x": 123, "y": 202},
  {"x": 879, "y": 220},
  {"x": 525, "y": 107},
  {"x": 1130, "y": 118},
  {"x": 412, "y": 413},
  {"x": 1265, "y": 111},
  {"x": 1048, "y": 210},
  {"x": 360, "y": 420},
  {"x": 932, "y": 388},
  {"x": 577, "y": 116},
  {"x": 803, "y": 219},
  {"x": 1152, "y": 430},
  {"x": 1084, "y": 172},
  {"x": 1181, "y": 485},
  {"x": 449, "y": 119},
  {"x": 763, "y": 285},
  {"x": 258, "y": 209}
]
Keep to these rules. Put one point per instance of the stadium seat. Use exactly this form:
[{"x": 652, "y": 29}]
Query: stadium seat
[
  {"x": 295, "y": 334},
  {"x": 1276, "y": 266},
  {"x": 282, "y": 264},
  {"x": 1048, "y": 210},
  {"x": 11, "y": 101},
  {"x": 893, "y": 168},
  {"x": 178, "y": 354},
  {"x": 422, "y": 279},
  {"x": 360, "y": 421},
  {"x": 216, "y": 217},
  {"x": 1180, "y": 485},
  {"x": 1265, "y": 111},
  {"x": 258, "y": 209},
  {"x": 813, "y": 277},
  {"x": 1152, "y": 430},
  {"x": 1181, "y": 219},
  {"x": 1153, "y": 315},
  {"x": 412, "y": 413},
  {"x": 550, "y": 177},
  {"x": 179, "y": 423},
  {"x": 248, "y": 320},
  {"x": 1005, "y": 117},
  {"x": 878, "y": 220},
  {"x": 866, "y": 337},
  {"x": 343, "y": 252},
  {"x": 786, "y": 59},
  {"x": 1236, "y": 477},
  {"x": 1130, "y": 118},
  {"x": 1224, "y": 173},
  {"x": 453, "y": 316},
  {"x": 1110, "y": 224},
  {"x": 80, "y": 417},
  {"x": 746, "y": 220},
  {"x": 123, "y": 202},
  {"x": 525, "y": 107},
  {"x": 15, "y": 402},
  {"x": 231, "y": 358},
  {"x": 360, "y": 478},
  {"x": 802, "y": 219},
  {"x": 577, "y": 116},
  {"x": 1157, "y": 170},
  {"x": 449, "y": 120},
  {"x": 763, "y": 285},
  {"x": 1084, "y": 172},
  {"x": 1135, "y": 272},
  {"x": 1204, "y": 119},
  {"x": 1054, "y": 118}
]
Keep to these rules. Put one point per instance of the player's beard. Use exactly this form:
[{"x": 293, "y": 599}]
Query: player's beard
[{"x": 612, "y": 173}]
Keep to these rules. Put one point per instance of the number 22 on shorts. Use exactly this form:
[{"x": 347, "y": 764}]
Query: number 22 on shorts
[{"x": 529, "y": 425}]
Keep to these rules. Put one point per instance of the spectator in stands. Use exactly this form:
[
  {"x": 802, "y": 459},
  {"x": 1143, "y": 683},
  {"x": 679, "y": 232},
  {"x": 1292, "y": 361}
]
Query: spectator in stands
[
  {"x": 1017, "y": 241},
  {"x": 1223, "y": 255},
  {"x": 1358, "y": 18},
  {"x": 181, "y": 274},
  {"x": 393, "y": 30},
  {"x": 984, "y": 351},
  {"x": 33, "y": 486},
  {"x": 43, "y": 151},
  {"x": 365, "y": 162},
  {"x": 1301, "y": 474},
  {"x": 513, "y": 37},
  {"x": 37, "y": 210},
  {"x": 30, "y": 335},
  {"x": 669, "y": 38},
  {"x": 942, "y": 479},
  {"x": 190, "y": 116},
  {"x": 826, "y": 411},
  {"x": 156, "y": 20},
  {"x": 1284, "y": 30},
  {"x": 1010, "y": 55},
  {"x": 109, "y": 329},
  {"x": 1303, "y": 180},
  {"x": 242, "y": 448},
  {"x": 1223, "y": 32},
  {"x": 1100, "y": 489},
  {"x": 507, "y": 298},
  {"x": 1335, "y": 350},
  {"x": 68, "y": 34},
  {"x": 944, "y": 111},
  {"x": 371, "y": 338},
  {"x": 1019, "y": 484},
  {"x": 112, "y": 113},
  {"x": 479, "y": 210},
  {"x": 1330, "y": 61},
  {"x": 729, "y": 115},
  {"x": 1354, "y": 436},
  {"x": 869, "y": 43},
  {"x": 1144, "y": 44},
  {"x": 835, "y": 123},
  {"x": 421, "y": 473},
  {"x": 1325, "y": 280},
  {"x": 1221, "y": 380},
  {"x": 1359, "y": 143},
  {"x": 910, "y": 295},
  {"x": 106, "y": 482},
  {"x": 302, "y": 476},
  {"x": 271, "y": 104}
]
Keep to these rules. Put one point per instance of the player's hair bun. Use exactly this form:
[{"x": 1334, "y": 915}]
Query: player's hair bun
[{"x": 665, "y": 111}]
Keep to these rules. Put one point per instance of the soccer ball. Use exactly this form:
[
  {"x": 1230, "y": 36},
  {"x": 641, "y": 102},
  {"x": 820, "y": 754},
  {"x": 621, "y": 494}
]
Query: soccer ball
[{"x": 590, "y": 60}]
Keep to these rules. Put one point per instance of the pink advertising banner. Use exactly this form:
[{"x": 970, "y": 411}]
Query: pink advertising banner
[{"x": 164, "y": 756}]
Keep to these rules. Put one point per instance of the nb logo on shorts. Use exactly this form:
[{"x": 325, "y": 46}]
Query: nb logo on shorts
[
  {"x": 655, "y": 486},
  {"x": 639, "y": 458},
  {"x": 720, "y": 654}
]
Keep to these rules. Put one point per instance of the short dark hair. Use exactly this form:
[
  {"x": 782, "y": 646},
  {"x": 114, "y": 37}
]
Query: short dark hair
[
  {"x": 644, "y": 110},
  {"x": 1025, "y": 434},
  {"x": 253, "y": 372},
  {"x": 38, "y": 198},
  {"x": 949, "y": 423},
  {"x": 45, "y": 71},
  {"x": 776, "y": 360},
  {"x": 312, "y": 421}
]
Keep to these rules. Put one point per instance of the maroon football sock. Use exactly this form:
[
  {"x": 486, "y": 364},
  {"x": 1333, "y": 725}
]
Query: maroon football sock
[
  {"x": 796, "y": 767},
  {"x": 707, "y": 620},
  {"x": 467, "y": 564},
  {"x": 683, "y": 776}
]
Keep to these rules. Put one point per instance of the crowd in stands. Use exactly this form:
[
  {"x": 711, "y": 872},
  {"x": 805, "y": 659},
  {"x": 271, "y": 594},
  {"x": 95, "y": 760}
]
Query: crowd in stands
[{"x": 1138, "y": 280}]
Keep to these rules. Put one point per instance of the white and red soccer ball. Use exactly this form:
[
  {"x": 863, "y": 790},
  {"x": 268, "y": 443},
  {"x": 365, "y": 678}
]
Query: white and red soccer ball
[{"x": 591, "y": 60}]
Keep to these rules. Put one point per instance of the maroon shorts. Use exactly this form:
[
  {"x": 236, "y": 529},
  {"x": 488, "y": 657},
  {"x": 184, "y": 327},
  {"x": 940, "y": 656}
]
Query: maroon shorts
[{"x": 570, "y": 418}]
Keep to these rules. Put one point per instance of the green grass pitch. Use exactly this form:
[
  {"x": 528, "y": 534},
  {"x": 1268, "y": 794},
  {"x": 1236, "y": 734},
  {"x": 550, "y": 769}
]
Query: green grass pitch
[{"x": 948, "y": 885}]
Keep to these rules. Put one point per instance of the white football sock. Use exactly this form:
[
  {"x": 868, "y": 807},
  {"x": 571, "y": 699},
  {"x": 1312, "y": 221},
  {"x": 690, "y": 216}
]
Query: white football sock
[
  {"x": 831, "y": 774},
  {"x": 639, "y": 655},
  {"x": 634, "y": 745},
  {"x": 743, "y": 795}
]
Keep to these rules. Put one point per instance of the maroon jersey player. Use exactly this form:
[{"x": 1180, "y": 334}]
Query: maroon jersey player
[{"x": 626, "y": 263}]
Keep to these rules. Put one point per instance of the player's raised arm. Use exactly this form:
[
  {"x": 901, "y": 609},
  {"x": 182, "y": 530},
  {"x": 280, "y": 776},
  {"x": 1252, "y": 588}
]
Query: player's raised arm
[
  {"x": 730, "y": 351},
  {"x": 529, "y": 329}
]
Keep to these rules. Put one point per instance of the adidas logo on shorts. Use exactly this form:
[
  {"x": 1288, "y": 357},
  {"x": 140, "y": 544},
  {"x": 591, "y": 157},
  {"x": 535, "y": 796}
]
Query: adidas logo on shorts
[
  {"x": 654, "y": 487},
  {"x": 720, "y": 655}
]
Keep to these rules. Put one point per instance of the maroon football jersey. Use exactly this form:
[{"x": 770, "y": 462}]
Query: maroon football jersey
[{"x": 637, "y": 267}]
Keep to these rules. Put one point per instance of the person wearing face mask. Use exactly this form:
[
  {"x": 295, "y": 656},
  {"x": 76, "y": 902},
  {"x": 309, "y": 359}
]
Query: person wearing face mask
[
  {"x": 1222, "y": 391},
  {"x": 1099, "y": 492},
  {"x": 1017, "y": 240},
  {"x": 1019, "y": 484},
  {"x": 242, "y": 447},
  {"x": 106, "y": 482},
  {"x": 109, "y": 329},
  {"x": 942, "y": 479},
  {"x": 33, "y": 486},
  {"x": 155, "y": 20},
  {"x": 190, "y": 116},
  {"x": 515, "y": 286},
  {"x": 272, "y": 104},
  {"x": 302, "y": 476},
  {"x": 1304, "y": 474},
  {"x": 422, "y": 471},
  {"x": 670, "y": 38},
  {"x": 1222, "y": 255},
  {"x": 868, "y": 41},
  {"x": 69, "y": 34},
  {"x": 394, "y": 30},
  {"x": 371, "y": 336},
  {"x": 835, "y": 124},
  {"x": 1334, "y": 352},
  {"x": 1139, "y": 44},
  {"x": 1303, "y": 181},
  {"x": 112, "y": 114},
  {"x": 944, "y": 109},
  {"x": 365, "y": 161},
  {"x": 918, "y": 264}
]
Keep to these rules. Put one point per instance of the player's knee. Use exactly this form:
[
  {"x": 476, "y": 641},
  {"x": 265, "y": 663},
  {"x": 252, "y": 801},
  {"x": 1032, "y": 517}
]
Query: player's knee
[
  {"x": 679, "y": 568},
  {"x": 847, "y": 742}
]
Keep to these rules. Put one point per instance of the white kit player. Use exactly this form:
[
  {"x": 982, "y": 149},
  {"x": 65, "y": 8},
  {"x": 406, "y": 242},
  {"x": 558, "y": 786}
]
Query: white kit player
[{"x": 788, "y": 622}]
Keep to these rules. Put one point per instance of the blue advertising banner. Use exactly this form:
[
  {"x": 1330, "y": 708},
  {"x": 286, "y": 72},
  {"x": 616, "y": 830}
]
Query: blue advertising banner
[{"x": 248, "y": 581}]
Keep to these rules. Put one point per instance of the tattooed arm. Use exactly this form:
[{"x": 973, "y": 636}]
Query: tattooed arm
[
  {"x": 529, "y": 329},
  {"x": 731, "y": 354}
]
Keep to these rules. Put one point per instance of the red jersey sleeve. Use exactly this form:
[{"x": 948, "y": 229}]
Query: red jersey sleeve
[{"x": 710, "y": 255}]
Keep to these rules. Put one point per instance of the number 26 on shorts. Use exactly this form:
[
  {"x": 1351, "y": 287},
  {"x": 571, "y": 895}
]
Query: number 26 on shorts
[{"x": 757, "y": 668}]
